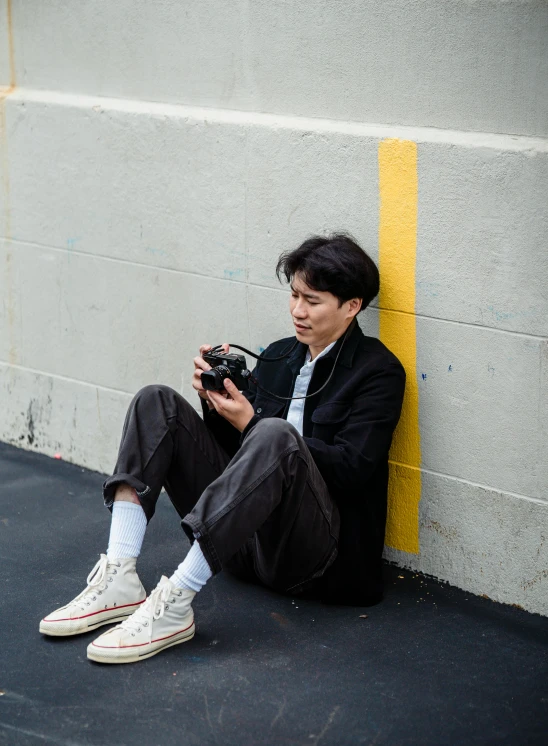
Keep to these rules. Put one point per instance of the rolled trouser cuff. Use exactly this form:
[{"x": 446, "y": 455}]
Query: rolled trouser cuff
[
  {"x": 141, "y": 489},
  {"x": 196, "y": 531}
]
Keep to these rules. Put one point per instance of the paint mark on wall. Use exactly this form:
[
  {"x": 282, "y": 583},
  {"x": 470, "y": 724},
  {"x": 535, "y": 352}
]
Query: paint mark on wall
[
  {"x": 499, "y": 315},
  {"x": 155, "y": 251},
  {"x": 429, "y": 289},
  {"x": 234, "y": 274},
  {"x": 398, "y": 187}
]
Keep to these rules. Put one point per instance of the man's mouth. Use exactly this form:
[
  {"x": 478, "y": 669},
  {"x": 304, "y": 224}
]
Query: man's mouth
[{"x": 300, "y": 327}]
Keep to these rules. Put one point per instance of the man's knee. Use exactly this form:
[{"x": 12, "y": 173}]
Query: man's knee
[
  {"x": 158, "y": 397},
  {"x": 154, "y": 391},
  {"x": 275, "y": 429},
  {"x": 158, "y": 394}
]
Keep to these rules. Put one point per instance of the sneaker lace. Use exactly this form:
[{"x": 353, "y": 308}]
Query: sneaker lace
[
  {"x": 96, "y": 582},
  {"x": 152, "y": 609}
]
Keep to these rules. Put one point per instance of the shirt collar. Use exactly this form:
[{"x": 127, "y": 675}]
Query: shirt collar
[{"x": 322, "y": 353}]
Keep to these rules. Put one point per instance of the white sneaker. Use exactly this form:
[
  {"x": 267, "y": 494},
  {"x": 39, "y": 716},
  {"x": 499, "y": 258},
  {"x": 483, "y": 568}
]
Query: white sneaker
[
  {"x": 113, "y": 592},
  {"x": 165, "y": 619}
]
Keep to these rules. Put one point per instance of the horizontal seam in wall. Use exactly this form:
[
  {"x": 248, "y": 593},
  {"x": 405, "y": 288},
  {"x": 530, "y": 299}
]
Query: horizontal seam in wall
[
  {"x": 153, "y": 267},
  {"x": 243, "y": 117},
  {"x": 468, "y": 482},
  {"x": 156, "y": 268},
  {"x": 47, "y": 374},
  {"x": 462, "y": 323}
]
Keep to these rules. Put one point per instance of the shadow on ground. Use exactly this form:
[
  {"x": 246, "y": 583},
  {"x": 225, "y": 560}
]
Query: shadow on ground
[{"x": 430, "y": 665}]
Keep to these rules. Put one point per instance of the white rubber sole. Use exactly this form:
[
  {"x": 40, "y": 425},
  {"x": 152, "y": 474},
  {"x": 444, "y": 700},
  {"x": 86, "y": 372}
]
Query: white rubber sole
[
  {"x": 132, "y": 655},
  {"x": 68, "y": 627}
]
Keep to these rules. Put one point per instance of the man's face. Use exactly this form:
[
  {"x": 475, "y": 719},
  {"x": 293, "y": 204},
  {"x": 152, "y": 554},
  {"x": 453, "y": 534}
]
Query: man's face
[{"x": 316, "y": 314}]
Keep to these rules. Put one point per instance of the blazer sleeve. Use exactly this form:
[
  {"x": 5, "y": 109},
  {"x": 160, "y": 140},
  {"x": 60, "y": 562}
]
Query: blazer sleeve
[{"x": 366, "y": 435}]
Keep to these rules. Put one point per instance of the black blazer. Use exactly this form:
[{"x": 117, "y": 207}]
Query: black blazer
[{"x": 348, "y": 428}]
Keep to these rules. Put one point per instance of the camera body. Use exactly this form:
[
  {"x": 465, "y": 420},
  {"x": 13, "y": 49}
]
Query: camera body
[{"x": 225, "y": 366}]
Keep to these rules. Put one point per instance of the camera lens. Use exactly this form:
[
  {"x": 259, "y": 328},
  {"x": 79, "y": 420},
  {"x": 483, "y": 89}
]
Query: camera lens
[{"x": 211, "y": 380}]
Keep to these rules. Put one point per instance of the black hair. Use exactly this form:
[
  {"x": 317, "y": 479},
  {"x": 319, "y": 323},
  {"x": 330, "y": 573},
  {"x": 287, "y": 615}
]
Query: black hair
[{"x": 336, "y": 264}]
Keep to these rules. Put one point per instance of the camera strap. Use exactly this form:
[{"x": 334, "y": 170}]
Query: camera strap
[
  {"x": 282, "y": 357},
  {"x": 263, "y": 359}
]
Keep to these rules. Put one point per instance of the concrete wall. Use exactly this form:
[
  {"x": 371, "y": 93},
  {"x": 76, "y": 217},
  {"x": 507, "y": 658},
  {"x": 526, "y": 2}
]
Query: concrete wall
[{"x": 155, "y": 159}]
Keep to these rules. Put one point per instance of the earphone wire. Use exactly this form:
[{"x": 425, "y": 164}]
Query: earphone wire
[{"x": 291, "y": 398}]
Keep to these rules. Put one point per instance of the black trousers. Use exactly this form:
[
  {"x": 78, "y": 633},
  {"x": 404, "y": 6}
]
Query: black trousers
[{"x": 265, "y": 515}]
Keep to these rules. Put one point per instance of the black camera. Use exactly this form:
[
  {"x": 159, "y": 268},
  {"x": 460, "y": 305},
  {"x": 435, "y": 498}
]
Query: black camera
[{"x": 225, "y": 366}]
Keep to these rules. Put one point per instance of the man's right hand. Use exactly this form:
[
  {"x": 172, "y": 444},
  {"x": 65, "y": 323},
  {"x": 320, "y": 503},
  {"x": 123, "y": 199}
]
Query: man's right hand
[{"x": 199, "y": 366}]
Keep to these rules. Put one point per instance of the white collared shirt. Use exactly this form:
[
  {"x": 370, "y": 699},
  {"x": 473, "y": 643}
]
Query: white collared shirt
[{"x": 295, "y": 413}]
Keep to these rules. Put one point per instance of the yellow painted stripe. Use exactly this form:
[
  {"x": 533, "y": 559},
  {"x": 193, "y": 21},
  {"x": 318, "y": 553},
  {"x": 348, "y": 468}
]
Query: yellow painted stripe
[{"x": 398, "y": 186}]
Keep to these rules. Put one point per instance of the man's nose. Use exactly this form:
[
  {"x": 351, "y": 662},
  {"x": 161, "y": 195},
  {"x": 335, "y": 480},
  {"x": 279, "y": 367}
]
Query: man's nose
[{"x": 299, "y": 310}]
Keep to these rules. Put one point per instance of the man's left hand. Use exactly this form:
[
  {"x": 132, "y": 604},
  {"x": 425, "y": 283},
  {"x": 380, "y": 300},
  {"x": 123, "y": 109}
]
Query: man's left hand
[{"x": 236, "y": 408}]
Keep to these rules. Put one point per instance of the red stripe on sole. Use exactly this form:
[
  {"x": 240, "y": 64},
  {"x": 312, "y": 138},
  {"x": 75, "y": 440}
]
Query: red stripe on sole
[{"x": 93, "y": 613}]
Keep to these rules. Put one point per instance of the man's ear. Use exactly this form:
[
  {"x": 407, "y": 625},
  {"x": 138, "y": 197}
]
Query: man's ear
[{"x": 354, "y": 307}]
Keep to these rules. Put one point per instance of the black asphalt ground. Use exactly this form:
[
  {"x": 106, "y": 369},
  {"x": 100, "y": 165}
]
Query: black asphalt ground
[{"x": 430, "y": 665}]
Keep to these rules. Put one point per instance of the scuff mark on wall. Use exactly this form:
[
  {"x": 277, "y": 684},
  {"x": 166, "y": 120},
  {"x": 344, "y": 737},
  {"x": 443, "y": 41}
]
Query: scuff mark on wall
[
  {"x": 447, "y": 532},
  {"x": 31, "y": 422},
  {"x": 539, "y": 576}
]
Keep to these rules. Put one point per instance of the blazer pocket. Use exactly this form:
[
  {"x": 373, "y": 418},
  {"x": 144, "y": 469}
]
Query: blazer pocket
[{"x": 330, "y": 414}]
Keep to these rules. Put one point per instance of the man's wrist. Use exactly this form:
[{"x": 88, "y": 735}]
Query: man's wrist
[
  {"x": 250, "y": 425},
  {"x": 205, "y": 400},
  {"x": 243, "y": 423}
]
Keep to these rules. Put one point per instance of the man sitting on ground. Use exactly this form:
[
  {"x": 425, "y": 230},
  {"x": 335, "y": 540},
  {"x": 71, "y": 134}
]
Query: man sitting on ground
[{"x": 284, "y": 484}]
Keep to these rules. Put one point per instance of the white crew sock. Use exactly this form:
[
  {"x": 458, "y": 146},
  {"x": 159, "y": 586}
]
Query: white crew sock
[
  {"x": 127, "y": 530},
  {"x": 193, "y": 572}
]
